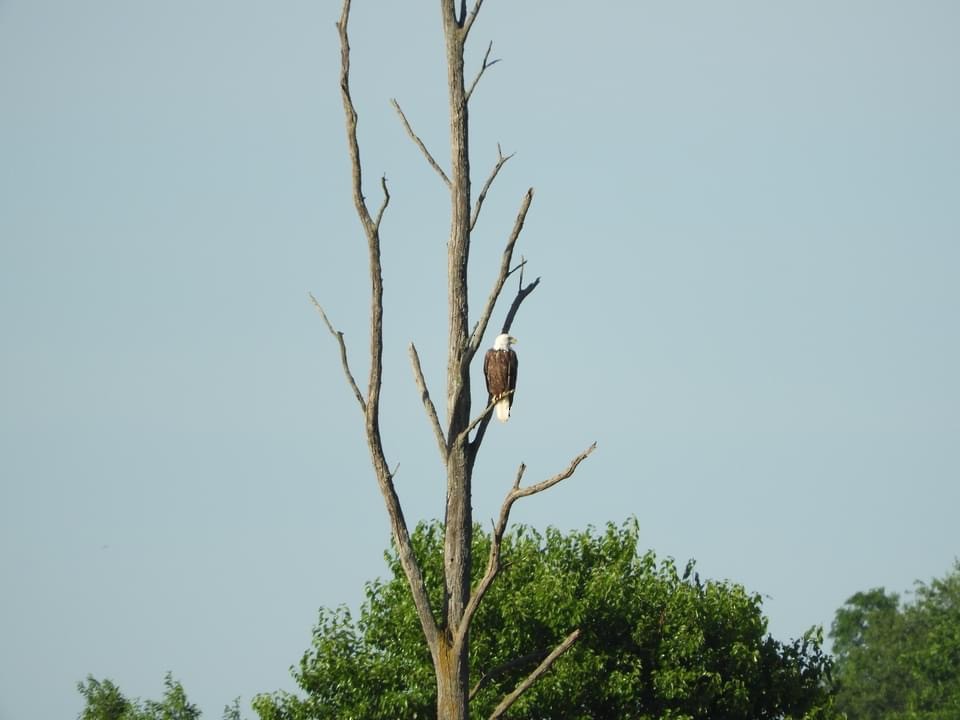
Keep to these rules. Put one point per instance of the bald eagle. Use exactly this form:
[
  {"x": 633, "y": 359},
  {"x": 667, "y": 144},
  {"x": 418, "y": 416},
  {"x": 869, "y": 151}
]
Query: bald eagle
[{"x": 500, "y": 370}]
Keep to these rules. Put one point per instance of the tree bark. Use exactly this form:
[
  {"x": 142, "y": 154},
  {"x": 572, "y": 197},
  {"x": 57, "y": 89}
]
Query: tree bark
[{"x": 453, "y": 673}]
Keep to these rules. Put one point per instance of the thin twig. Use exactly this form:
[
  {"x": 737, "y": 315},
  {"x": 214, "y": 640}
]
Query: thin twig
[
  {"x": 519, "y": 266},
  {"x": 343, "y": 353},
  {"x": 383, "y": 206},
  {"x": 483, "y": 69},
  {"x": 416, "y": 139},
  {"x": 501, "y": 161},
  {"x": 427, "y": 402},
  {"x": 532, "y": 677}
]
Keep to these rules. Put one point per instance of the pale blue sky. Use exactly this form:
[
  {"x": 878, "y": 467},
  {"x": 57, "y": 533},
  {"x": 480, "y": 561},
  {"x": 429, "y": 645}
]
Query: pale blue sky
[{"x": 747, "y": 222}]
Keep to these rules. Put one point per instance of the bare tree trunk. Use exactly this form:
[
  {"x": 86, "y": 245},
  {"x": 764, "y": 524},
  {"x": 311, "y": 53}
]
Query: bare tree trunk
[{"x": 453, "y": 675}]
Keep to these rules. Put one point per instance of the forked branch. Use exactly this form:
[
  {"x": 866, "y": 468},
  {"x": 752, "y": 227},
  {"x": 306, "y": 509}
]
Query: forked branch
[
  {"x": 496, "y": 540},
  {"x": 522, "y": 292},
  {"x": 501, "y": 161},
  {"x": 534, "y": 676},
  {"x": 487, "y": 62},
  {"x": 502, "y": 276},
  {"x": 419, "y": 143}
]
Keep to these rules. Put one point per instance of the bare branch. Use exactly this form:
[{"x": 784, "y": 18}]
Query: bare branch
[
  {"x": 427, "y": 402},
  {"x": 516, "y": 483},
  {"x": 523, "y": 262},
  {"x": 371, "y": 408},
  {"x": 383, "y": 206},
  {"x": 534, "y": 676},
  {"x": 343, "y": 353},
  {"x": 468, "y": 23},
  {"x": 416, "y": 139},
  {"x": 501, "y": 161},
  {"x": 521, "y": 295},
  {"x": 479, "y": 418},
  {"x": 539, "y": 487},
  {"x": 507, "y": 256},
  {"x": 496, "y": 539},
  {"x": 519, "y": 267},
  {"x": 350, "y": 114},
  {"x": 483, "y": 69}
]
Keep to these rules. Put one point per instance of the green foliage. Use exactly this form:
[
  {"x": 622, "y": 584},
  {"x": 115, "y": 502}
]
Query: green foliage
[
  {"x": 900, "y": 662},
  {"x": 104, "y": 701},
  {"x": 655, "y": 643}
]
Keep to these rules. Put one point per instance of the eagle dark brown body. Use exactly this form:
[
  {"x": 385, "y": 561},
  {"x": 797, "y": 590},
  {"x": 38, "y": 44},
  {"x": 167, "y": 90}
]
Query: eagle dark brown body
[{"x": 500, "y": 371}]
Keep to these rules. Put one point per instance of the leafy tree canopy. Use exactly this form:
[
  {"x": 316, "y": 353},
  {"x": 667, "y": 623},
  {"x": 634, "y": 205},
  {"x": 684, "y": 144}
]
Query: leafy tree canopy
[
  {"x": 900, "y": 661},
  {"x": 104, "y": 701},
  {"x": 655, "y": 642}
]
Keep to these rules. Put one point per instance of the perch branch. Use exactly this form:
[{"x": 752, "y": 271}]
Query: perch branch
[
  {"x": 398, "y": 525},
  {"x": 427, "y": 402},
  {"x": 483, "y": 69},
  {"x": 507, "y": 256},
  {"x": 496, "y": 540},
  {"x": 534, "y": 676},
  {"x": 476, "y": 421},
  {"x": 419, "y": 143},
  {"x": 343, "y": 353},
  {"x": 501, "y": 161}
]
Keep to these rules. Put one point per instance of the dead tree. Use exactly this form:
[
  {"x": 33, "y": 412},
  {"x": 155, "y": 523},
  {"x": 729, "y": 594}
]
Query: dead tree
[{"x": 445, "y": 628}]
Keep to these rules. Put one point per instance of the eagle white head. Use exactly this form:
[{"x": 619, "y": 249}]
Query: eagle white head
[{"x": 503, "y": 341}]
